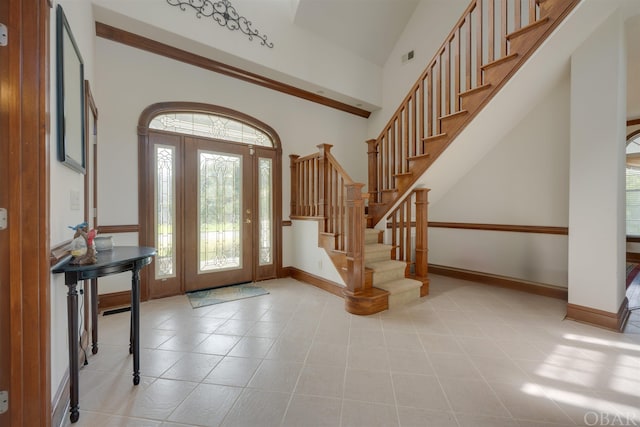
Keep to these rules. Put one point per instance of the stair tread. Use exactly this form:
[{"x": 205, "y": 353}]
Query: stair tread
[
  {"x": 454, "y": 114},
  {"x": 400, "y": 285},
  {"x": 476, "y": 89},
  {"x": 434, "y": 137},
  {"x": 523, "y": 30},
  {"x": 419, "y": 156},
  {"x": 499, "y": 61},
  {"x": 396, "y": 175}
]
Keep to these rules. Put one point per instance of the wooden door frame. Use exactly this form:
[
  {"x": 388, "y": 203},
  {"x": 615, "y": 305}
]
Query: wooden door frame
[
  {"x": 26, "y": 109},
  {"x": 144, "y": 211}
]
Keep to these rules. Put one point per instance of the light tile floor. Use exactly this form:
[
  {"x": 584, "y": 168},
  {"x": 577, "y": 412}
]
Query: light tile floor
[{"x": 467, "y": 355}]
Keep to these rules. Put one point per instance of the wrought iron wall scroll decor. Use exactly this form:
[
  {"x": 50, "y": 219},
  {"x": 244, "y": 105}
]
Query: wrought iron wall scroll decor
[{"x": 224, "y": 14}]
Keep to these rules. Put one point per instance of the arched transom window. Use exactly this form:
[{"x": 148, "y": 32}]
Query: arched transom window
[{"x": 211, "y": 126}]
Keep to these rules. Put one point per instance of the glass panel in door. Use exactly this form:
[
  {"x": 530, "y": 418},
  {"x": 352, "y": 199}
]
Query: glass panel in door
[
  {"x": 265, "y": 206},
  {"x": 165, "y": 213},
  {"x": 220, "y": 203},
  {"x": 218, "y": 214}
]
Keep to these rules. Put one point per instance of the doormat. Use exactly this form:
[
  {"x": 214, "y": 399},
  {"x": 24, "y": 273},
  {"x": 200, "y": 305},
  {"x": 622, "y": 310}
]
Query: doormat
[{"x": 228, "y": 293}]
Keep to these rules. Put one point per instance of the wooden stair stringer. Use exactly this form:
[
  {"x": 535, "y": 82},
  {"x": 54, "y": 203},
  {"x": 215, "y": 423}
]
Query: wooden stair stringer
[
  {"x": 327, "y": 241},
  {"x": 523, "y": 44}
]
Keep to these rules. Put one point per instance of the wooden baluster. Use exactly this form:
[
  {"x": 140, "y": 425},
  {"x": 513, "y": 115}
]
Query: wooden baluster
[
  {"x": 479, "y": 44},
  {"x": 307, "y": 177},
  {"x": 429, "y": 102},
  {"x": 468, "y": 73},
  {"x": 412, "y": 119},
  {"x": 315, "y": 200},
  {"x": 382, "y": 159},
  {"x": 293, "y": 158},
  {"x": 447, "y": 77},
  {"x": 407, "y": 230},
  {"x": 303, "y": 188},
  {"x": 517, "y": 15},
  {"x": 387, "y": 157},
  {"x": 504, "y": 29},
  {"x": 338, "y": 207},
  {"x": 329, "y": 192},
  {"x": 492, "y": 30},
  {"x": 456, "y": 71},
  {"x": 422, "y": 102},
  {"x": 379, "y": 168},
  {"x": 422, "y": 222},
  {"x": 438, "y": 99},
  {"x": 394, "y": 235},
  {"x": 532, "y": 11},
  {"x": 323, "y": 182},
  {"x": 343, "y": 218},
  {"x": 355, "y": 249},
  {"x": 404, "y": 149},
  {"x": 372, "y": 155},
  {"x": 402, "y": 225},
  {"x": 392, "y": 158}
]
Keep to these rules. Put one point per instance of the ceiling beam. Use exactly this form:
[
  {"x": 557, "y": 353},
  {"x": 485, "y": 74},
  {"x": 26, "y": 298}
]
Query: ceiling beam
[{"x": 134, "y": 40}]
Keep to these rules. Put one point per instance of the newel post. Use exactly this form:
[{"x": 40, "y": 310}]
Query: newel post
[
  {"x": 355, "y": 237},
  {"x": 372, "y": 153},
  {"x": 422, "y": 251},
  {"x": 294, "y": 184}
]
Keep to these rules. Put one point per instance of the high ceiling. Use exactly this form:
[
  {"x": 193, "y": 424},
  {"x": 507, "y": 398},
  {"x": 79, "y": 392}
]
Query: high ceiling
[{"x": 368, "y": 28}]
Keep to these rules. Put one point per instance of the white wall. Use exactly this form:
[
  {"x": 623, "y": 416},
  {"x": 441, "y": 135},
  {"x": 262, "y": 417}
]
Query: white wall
[
  {"x": 523, "y": 180},
  {"x": 307, "y": 256},
  {"x": 597, "y": 199},
  {"x": 297, "y": 56},
  {"x": 129, "y": 80},
  {"x": 64, "y": 180}
]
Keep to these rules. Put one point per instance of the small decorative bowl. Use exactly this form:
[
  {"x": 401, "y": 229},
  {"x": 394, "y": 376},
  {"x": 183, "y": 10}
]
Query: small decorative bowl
[{"x": 103, "y": 243}]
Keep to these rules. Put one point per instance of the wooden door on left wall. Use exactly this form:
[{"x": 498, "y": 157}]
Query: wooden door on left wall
[{"x": 24, "y": 190}]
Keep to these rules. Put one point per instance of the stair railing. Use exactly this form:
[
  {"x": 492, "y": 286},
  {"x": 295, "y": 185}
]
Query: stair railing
[
  {"x": 407, "y": 224},
  {"x": 480, "y": 42},
  {"x": 322, "y": 190}
]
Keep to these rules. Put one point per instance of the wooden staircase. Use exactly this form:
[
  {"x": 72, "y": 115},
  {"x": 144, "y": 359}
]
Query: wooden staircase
[
  {"x": 486, "y": 47},
  {"x": 490, "y": 42}
]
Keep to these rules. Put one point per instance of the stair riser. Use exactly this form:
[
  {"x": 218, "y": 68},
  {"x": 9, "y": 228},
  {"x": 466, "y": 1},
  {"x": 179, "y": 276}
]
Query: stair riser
[
  {"x": 472, "y": 101},
  {"x": 402, "y": 298},
  {"x": 525, "y": 41},
  {"x": 452, "y": 124},
  {"x": 387, "y": 276},
  {"x": 371, "y": 238},
  {"x": 498, "y": 72},
  {"x": 377, "y": 256}
]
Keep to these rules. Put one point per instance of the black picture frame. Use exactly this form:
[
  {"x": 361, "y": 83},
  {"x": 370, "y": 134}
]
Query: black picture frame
[{"x": 70, "y": 96}]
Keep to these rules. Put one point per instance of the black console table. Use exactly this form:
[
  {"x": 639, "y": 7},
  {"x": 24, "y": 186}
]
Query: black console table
[{"x": 117, "y": 260}]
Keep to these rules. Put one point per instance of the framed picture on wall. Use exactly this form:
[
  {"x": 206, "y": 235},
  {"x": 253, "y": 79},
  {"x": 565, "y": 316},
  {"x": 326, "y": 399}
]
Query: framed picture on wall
[{"x": 70, "y": 96}]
